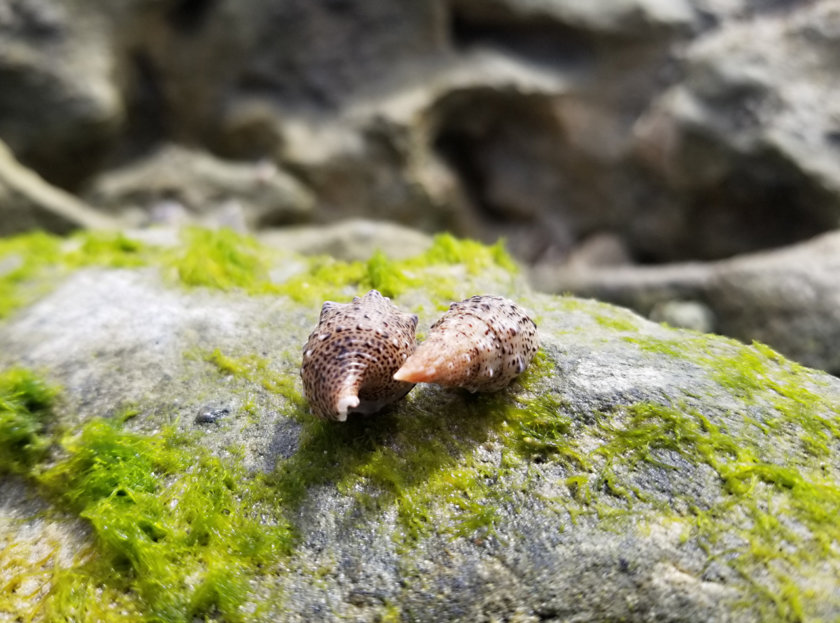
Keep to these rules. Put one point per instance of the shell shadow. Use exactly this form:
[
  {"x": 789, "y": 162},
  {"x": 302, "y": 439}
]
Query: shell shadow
[{"x": 397, "y": 456}]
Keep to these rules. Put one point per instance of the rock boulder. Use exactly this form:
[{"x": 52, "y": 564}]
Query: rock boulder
[{"x": 634, "y": 472}]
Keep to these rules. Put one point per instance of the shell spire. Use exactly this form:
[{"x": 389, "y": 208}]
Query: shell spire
[
  {"x": 351, "y": 356},
  {"x": 480, "y": 344}
]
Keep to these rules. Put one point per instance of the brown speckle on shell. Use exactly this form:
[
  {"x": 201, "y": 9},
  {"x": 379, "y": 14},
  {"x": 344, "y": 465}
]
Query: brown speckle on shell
[
  {"x": 350, "y": 358},
  {"x": 480, "y": 344}
]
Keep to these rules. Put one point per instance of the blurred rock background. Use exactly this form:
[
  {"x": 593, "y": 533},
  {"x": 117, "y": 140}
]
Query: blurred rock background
[{"x": 630, "y": 150}]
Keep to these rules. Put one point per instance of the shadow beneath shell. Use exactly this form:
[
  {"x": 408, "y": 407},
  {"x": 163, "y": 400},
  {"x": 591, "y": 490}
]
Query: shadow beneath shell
[{"x": 410, "y": 454}]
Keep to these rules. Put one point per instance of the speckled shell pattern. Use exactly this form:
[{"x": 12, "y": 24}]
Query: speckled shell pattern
[
  {"x": 480, "y": 344},
  {"x": 350, "y": 358}
]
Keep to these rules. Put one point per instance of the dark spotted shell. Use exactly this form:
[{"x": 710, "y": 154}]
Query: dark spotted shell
[
  {"x": 480, "y": 344},
  {"x": 350, "y": 358}
]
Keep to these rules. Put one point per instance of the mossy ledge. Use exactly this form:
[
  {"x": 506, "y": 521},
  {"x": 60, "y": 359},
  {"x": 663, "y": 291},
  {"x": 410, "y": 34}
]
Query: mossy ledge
[
  {"x": 738, "y": 461},
  {"x": 224, "y": 260}
]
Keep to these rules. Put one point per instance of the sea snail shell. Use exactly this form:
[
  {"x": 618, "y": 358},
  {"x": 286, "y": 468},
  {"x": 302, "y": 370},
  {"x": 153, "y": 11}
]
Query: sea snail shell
[
  {"x": 350, "y": 358},
  {"x": 480, "y": 344}
]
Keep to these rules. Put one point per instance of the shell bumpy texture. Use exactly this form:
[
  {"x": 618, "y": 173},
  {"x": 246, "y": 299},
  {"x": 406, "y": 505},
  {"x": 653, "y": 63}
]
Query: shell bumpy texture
[
  {"x": 350, "y": 359},
  {"x": 480, "y": 344}
]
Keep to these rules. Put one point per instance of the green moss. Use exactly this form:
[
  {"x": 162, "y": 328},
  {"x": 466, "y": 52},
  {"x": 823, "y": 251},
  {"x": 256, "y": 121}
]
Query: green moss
[
  {"x": 793, "y": 495},
  {"x": 325, "y": 279},
  {"x": 23, "y": 258},
  {"x": 424, "y": 461},
  {"x": 391, "y": 614},
  {"x": 682, "y": 348},
  {"x": 783, "y": 514},
  {"x": 31, "y": 263},
  {"x": 78, "y": 593},
  {"x": 427, "y": 465},
  {"x": 757, "y": 373},
  {"x": 618, "y": 321},
  {"x": 179, "y": 534},
  {"x": 448, "y": 250},
  {"x": 222, "y": 259},
  {"x": 113, "y": 250},
  {"x": 420, "y": 460},
  {"x": 254, "y": 369},
  {"x": 225, "y": 260},
  {"x": 25, "y": 408},
  {"x": 415, "y": 462},
  {"x": 386, "y": 276},
  {"x": 330, "y": 279},
  {"x": 174, "y": 525}
]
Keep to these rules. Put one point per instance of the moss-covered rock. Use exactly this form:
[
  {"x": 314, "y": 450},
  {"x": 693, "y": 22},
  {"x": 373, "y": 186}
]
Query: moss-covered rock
[{"x": 165, "y": 466}]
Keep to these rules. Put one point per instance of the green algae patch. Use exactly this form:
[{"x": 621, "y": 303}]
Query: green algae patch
[
  {"x": 257, "y": 370},
  {"x": 324, "y": 279},
  {"x": 415, "y": 461},
  {"x": 222, "y": 259},
  {"x": 683, "y": 348},
  {"x": 30, "y": 264},
  {"x": 25, "y": 409},
  {"x": 769, "y": 521},
  {"x": 621, "y": 320},
  {"x": 427, "y": 458},
  {"x": 782, "y": 515},
  {"x": 225, "y": 260},
  {"x": 182, "y": 530},
  {"x": 328, "y": 279},
  {"x": 448, "y": 250},
  {"x": 111, "y": 250},
  {"x": 178, "y": 533},
  {"x": 775, "y": 516},
  {"x": 386, "y": 276},
  {"x": 23, "y": 258},
  {"x": 757, "y": 372}
]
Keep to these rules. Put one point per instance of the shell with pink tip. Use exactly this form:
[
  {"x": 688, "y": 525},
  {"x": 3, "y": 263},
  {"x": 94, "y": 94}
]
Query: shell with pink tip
[
  {"x": 350, "y": 358},
  {"x": 480, "y": 344}
]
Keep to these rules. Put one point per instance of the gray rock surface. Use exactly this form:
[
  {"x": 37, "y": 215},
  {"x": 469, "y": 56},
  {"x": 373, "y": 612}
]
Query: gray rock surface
[
  {"x": 750, "y": 131},
  {"x": 28, "y": 202},
  {"x": 684, "y": 314},
  {"x": 638, "y": 473},
  {"x": 788, "y": 298},
  {"x": 351, "y": 240},
  {"x": 175, "y": 184},
  {"x": 691, "y": 129},
  {"x": 61, "y": 106}
]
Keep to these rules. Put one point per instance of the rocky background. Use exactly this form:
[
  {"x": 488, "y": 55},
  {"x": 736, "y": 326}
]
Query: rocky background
[{"x": 631, "y": 132}]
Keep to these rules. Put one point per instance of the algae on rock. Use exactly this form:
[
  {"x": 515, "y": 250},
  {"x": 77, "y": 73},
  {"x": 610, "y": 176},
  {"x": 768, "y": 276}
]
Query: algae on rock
[{"x": 634, "y": 471}]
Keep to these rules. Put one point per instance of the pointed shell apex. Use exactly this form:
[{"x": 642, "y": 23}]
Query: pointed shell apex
[{"x": 486, "y": 342}]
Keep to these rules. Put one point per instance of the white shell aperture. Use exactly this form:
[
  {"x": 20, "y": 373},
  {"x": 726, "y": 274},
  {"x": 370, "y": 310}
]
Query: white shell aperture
[{"x": 350, "y": 358}]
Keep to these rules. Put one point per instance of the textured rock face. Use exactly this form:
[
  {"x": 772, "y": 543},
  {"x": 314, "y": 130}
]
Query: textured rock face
[
  {"x": 350, "y": 240},
  {"x": 788, "y": 298},
  {"x": 635, "y": 472},
  {"x": 28, "y": 202},
  {"x": 693, "y": 129},
  {"x": 751, "y": 132},
  {"x": 175, "y": 184},
  {"x": 60, "y": 106}
]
